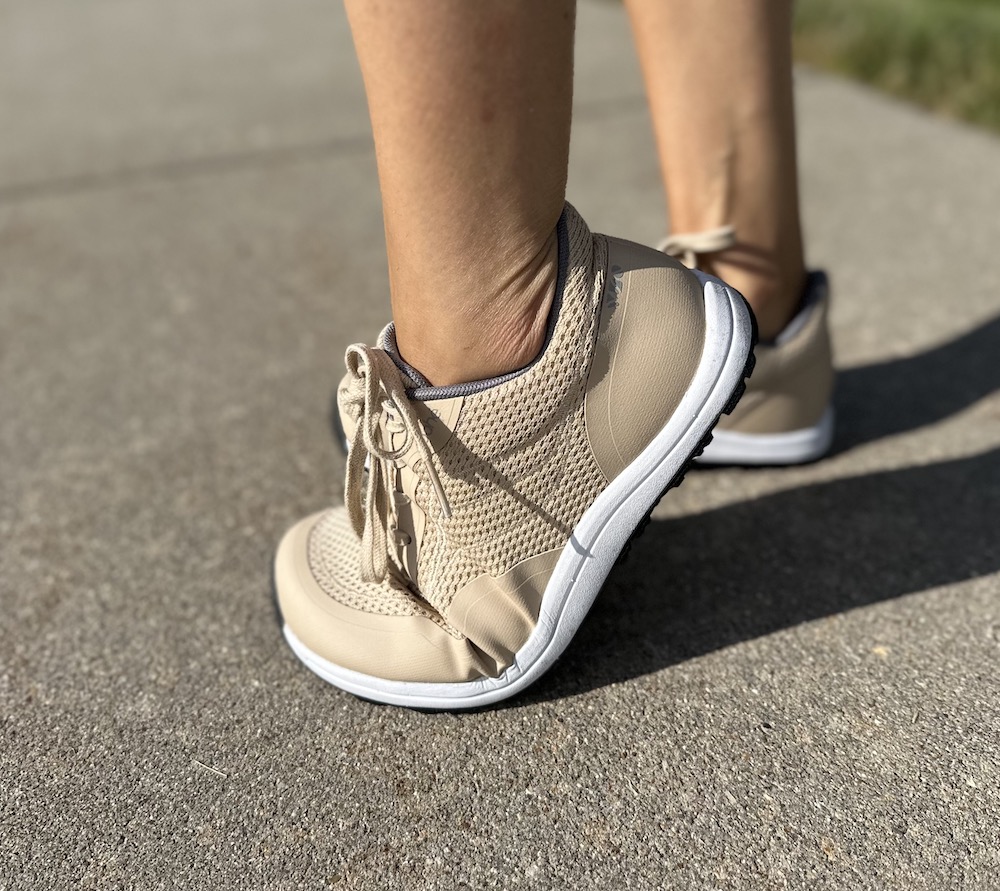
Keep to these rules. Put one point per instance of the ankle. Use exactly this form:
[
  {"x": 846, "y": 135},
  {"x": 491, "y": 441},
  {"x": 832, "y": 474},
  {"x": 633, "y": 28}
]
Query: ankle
[{"x": 469, "y": 339}]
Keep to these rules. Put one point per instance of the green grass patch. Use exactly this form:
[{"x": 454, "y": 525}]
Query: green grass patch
[{"x": 943, "y": 54}]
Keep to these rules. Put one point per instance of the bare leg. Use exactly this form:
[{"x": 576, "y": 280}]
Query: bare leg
[
  {"x": 470, "y": 106},
  {"x": 719, "y": 78}
]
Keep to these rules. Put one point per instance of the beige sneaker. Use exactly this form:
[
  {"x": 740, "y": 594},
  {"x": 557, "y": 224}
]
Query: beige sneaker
[
  {"x": 494, "y": 511},
  {"x": 786, "y": 416}
]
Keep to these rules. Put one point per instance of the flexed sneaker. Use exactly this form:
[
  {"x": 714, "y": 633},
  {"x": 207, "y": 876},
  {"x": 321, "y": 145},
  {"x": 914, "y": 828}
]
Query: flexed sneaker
[
  {"x": 463, "y": 563},
  {"x": 786, "y": 416}
]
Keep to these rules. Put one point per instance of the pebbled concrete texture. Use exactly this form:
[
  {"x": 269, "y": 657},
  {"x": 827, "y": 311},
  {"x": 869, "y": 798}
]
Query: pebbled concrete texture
[{"x": 791, "y": 684}]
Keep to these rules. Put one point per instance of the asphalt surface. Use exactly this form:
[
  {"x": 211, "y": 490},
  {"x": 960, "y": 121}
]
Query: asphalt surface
[{"x": 791, "y": 684}]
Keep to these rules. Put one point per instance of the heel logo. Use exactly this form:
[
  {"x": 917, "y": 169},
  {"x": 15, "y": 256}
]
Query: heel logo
[{"x": 613, "y": 288}]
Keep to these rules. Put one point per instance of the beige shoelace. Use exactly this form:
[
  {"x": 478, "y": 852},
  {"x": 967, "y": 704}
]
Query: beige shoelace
[
  {"x": 687, "y": 246},
  {"x": 376, "y": 392}
]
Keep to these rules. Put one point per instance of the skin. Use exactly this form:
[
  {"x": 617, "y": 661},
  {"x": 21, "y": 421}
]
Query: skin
[
  {"x": 470, "y": 106},
  {"x": 719, "y": 79}
]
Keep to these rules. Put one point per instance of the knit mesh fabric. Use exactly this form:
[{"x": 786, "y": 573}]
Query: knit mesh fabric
[
  {"x": 519, "y": 472},
  {"x": 334, "y": 554}
]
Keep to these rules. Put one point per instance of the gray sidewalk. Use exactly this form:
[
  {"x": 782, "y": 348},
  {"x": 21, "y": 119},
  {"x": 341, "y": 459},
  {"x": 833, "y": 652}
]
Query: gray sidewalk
[{"x": 791, "y": 684}]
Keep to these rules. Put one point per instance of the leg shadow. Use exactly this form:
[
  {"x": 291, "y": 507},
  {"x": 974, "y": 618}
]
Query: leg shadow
[
  {"x": 699, "y": 583},
  {"x": 886, "y": 398}
]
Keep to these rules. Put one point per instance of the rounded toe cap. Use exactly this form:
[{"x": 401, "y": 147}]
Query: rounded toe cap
[{"x": 377, "y": 629}]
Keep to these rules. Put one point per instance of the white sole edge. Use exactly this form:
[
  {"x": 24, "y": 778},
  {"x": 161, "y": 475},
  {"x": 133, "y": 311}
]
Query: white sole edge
[
  {"x": 762, "y": 449},
  {"x": 599, "y": 537}
]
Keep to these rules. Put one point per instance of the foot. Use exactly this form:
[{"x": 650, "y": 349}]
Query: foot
[
  {"x": 786, "y": 416},
  {"x": 494, "y": 511}
]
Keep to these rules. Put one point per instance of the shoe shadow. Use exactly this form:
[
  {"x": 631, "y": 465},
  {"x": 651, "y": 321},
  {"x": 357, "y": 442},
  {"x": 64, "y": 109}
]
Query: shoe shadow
[
  {"x": 886, "y": 398},
  {"x": 699, "y": 583}
]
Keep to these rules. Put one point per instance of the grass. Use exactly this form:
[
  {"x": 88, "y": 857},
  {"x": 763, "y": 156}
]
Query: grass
[{"x": 943, "y": 54}]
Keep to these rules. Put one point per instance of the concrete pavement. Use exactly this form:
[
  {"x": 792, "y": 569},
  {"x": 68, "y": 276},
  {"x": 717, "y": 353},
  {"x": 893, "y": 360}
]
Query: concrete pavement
[{"x": 791, "y": 684}]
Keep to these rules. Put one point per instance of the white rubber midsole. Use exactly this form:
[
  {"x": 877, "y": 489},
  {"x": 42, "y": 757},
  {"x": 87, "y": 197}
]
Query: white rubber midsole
[
  {"x": 793, "y": 447},
  {"x": 601, "y": 534}
]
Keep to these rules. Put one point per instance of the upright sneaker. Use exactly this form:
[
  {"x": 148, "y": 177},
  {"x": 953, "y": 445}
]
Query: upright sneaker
[
  {"x": 786, "y": 416},
  {"x": 494, "y": 511}
]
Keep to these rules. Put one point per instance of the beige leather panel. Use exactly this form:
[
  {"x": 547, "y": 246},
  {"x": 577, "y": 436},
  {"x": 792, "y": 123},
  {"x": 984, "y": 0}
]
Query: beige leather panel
[
  {"x": 498, "y": 614},
  {"x": 651, "y": 336},
  {"x": 406, "y": 648},
  {"x": 792, "y": 383}
]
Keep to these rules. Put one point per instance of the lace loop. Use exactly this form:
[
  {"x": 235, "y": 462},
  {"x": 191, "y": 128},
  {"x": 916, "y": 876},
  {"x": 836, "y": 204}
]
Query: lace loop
[
  {"x": 375, "y": 398},
  {"x": 686, "y": 246}
]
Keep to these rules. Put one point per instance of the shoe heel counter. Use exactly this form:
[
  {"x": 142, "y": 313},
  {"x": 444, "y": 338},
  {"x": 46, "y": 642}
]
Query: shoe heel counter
[
  {"x": 649, "y": 343},
  {"x": 793, "y": 382},
  {"x": 808, "y": 375}
]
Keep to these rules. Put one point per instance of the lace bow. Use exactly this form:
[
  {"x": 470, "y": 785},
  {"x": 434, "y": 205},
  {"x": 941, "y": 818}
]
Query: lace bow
[
  {"x": 686, "y": 246},
  {"x": 376, "y": 399}
]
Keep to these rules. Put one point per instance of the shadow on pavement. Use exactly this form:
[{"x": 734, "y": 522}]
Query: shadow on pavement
[
  {"x": 886, "y": 398},
  {"x": 699, "y": 583}
]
